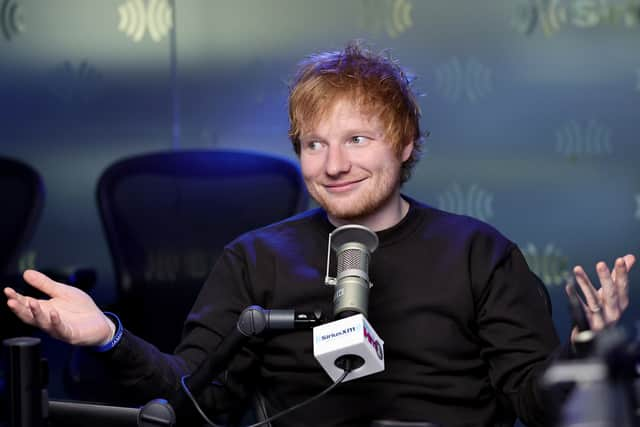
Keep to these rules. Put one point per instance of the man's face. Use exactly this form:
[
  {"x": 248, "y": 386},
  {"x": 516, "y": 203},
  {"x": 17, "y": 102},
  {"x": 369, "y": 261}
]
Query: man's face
[{"x": 349, "y": 167}]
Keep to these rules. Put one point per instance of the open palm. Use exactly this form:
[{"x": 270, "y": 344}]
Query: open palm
[{"x": 69, "y": 315}]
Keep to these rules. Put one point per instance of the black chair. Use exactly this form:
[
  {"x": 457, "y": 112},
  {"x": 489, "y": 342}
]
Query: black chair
[
  {"x": 22, "y": 190},
  {"x": 167, "y": 216}
]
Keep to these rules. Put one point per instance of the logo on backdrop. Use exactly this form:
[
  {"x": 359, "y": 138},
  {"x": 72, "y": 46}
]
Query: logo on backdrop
[
  {"x": 549, "y": 264},
  {"x": 11, "y": 23},
  {"x": 27, "y": 260},
  {"x": 525, "y": 16},
  {"x": 468, "y": 81},
  {"x": 399, "y": 20},
  {"x": 394, "y": 17},
  {"x": 474, "y": 202},
  {"x": 71, "y": 83},
  {"x": 138, "y": 18},
  {"x": 575, "y": 140},
  {"x": 554, "y": 15},
  {"x": 637, "y": 214}
]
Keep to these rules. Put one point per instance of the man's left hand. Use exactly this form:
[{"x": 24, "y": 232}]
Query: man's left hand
[{"x": 604, "y": 306}]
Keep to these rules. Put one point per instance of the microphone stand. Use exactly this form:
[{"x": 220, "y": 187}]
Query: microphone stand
[
  {"x": 252, "y": 322},
  {"x": 26, "y": 397},
  {"x": 29, "y": 405},
  {"x": 603, "y": 380}
]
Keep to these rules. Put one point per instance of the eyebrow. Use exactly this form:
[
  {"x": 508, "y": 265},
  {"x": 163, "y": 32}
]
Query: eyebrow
[
  {"x": 350, "y": 132},
  {"x": 310, "y": 137}
]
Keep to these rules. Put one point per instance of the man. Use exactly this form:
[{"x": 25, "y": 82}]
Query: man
[{"x": 466, "y": 324}]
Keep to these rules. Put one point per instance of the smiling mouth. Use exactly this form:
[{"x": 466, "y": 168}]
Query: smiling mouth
[{"x": 342, "y": 186}]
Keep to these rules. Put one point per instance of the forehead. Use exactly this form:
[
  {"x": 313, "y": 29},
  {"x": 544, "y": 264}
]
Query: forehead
[{"x": 344, "y": 114}]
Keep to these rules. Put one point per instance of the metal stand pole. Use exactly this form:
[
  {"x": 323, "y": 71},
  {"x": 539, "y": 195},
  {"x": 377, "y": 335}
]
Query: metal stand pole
[{"x": 24, "y": 383}]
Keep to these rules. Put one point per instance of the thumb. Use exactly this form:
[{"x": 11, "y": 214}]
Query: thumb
[{"x": 42, "y": 283}]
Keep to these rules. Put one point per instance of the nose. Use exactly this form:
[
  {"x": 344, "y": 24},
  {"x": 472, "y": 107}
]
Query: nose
[{"x": 338, "y": 161}]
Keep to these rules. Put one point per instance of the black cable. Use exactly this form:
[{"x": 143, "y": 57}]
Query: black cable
[
  {"x": 346, "y": 372},
  {"x": 306, "y": 402},
  {"x": 195, "y": 403}
]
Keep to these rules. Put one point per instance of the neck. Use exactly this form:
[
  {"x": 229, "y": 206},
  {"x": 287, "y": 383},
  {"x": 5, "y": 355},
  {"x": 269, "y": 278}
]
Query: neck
[{"x": 382, "y": 218}]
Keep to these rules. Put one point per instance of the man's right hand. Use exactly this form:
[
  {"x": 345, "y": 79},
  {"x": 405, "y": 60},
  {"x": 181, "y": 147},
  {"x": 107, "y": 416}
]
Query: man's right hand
[{"x": 70, "y": 315}]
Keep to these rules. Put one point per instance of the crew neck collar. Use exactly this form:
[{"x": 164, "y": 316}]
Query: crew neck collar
[{"x": 388, "y": 236}]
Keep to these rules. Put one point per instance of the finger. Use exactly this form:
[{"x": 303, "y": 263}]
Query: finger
[
  {"x": 577, "y": 307},
  {"x": 58, "y": 328},
  {"x": 42, "y": 283},
  {"x": 18, "y": 298},
  {"x": 629, "y": 260},
  {"x": 591, "y": 308},
  {"x": 41, "y": 319},
  {"x": 595, "y": 317},
  {"x": 10, "y": 293},
  {"x": 620, "y": 277},
  {"x": 21, "y": 310},
  {"x": 15, "y": 301},
  {"x": 589, "y": 292},
  {"x": 609, "y": 293},
  {"x": 595, "y": 313}
]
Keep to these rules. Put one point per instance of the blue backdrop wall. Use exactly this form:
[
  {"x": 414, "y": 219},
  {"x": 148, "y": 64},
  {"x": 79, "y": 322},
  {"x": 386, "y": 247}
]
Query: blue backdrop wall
[{"x": 533, "y": 107}]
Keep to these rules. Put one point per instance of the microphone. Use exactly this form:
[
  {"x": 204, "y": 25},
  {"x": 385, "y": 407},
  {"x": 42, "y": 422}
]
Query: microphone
[
  {"x": 350, "y": 340},
  {"x": 253, "y": 321},
  {"x": 290, "y": 319},
  {"x": 353, "y": 245}
]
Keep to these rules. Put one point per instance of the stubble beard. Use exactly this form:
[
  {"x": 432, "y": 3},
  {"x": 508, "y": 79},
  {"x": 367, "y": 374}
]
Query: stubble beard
[{"x": 362, "y": 205}]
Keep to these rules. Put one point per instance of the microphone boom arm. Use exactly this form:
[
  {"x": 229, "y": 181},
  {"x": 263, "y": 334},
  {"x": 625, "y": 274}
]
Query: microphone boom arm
[{"x": 252, "y": 322}]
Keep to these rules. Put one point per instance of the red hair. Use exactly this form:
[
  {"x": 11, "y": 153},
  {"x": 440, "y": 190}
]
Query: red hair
[{"x": 375, "y": 82}]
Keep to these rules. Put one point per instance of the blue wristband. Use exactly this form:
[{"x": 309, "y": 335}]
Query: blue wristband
[{"x": 116, "y": 337}]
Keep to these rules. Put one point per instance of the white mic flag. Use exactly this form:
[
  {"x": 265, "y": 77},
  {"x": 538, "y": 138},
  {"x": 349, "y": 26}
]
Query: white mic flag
[{"x": 351, "y": 336}]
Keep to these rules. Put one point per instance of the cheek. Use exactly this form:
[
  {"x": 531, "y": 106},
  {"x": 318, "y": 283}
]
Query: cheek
[{"x": 310, "y": 166}]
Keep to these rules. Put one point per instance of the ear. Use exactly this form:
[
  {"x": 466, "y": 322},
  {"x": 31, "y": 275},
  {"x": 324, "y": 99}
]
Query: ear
[{"x": 406, "y": 151}]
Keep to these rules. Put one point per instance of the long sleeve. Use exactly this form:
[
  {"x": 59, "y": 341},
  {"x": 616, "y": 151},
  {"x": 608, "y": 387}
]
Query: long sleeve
[
  {"x": 517, "y": 333},
  {"x": 137, "y": 364}
]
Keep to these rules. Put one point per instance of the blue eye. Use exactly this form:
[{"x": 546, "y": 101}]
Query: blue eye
[
  {"x": 313, "y": 145},
  {"x": 357, "y": 139}
]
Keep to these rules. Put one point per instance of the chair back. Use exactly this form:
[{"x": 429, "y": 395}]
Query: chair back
[
  {"x": 22, "y": 190},
  {"x": 167, "y": 216}
]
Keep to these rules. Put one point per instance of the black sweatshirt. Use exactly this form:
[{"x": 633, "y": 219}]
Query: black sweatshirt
[{"x": 465, "y": 325}]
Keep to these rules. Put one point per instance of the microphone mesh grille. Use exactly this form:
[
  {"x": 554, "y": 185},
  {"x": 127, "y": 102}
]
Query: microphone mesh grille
[{"x": 352, "y": 259}]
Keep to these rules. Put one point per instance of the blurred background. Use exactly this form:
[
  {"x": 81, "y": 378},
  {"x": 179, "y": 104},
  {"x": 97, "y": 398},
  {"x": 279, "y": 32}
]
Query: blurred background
[{"x": 533, "y": 107}]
